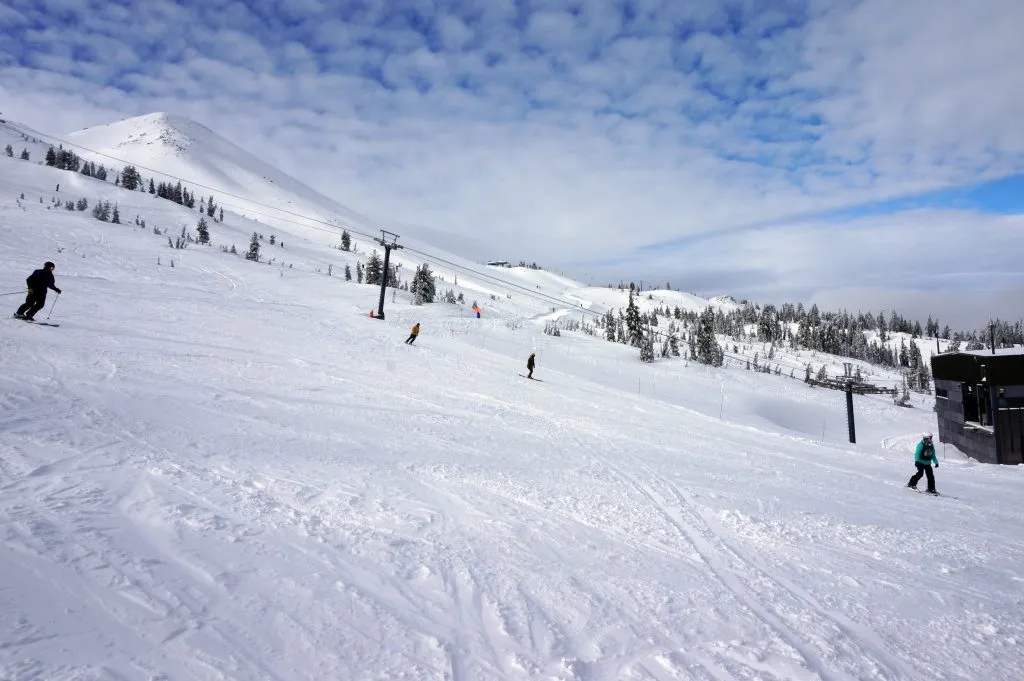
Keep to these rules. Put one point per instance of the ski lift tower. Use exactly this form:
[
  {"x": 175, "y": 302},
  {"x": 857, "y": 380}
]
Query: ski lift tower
[{"x": 388, "y": 240}]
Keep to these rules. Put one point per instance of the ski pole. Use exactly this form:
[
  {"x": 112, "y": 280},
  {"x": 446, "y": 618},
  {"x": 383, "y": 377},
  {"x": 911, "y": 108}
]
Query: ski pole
[
  {"x": 53, "y": 306},
  {"x": 14, "y": 293}
]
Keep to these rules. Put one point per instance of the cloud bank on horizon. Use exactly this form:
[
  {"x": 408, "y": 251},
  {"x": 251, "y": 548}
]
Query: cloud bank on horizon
[{"x": 765, "y": 149}]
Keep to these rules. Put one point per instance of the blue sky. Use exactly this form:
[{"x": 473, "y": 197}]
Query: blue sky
[{"x": 724, "y": 146}]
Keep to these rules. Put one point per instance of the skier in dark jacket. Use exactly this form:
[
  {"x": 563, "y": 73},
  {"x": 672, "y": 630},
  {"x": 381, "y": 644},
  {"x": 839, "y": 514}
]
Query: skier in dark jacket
[
  {"x": 38, "y": 282},
  {"x": 530, "y": 364},
  {"x": 924, "y": 459}
]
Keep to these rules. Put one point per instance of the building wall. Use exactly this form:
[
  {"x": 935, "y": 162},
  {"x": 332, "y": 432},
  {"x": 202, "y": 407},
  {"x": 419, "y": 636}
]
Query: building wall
[
  {"x": 977, "y": 444},
  {"x": 1011, "y": 432}
]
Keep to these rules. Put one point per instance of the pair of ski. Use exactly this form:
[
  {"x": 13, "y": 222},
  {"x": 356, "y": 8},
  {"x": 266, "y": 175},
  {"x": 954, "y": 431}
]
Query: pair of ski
[
  {"x": 931, "y": 494},
  {"x": 531, "y": 378},
  {"x": 33, "y": 321}
]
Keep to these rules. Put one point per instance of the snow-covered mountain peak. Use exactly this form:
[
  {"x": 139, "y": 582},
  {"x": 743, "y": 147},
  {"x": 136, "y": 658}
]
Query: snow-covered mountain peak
[
  {"x": 159, "y": 133},
  {"x": 182, "y": 149},
  {"x": 172, "y": 132}
]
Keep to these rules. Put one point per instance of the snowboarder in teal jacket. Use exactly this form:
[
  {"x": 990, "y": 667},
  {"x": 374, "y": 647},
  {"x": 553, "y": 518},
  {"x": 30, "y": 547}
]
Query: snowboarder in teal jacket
[{"x": 924, "y": 459}]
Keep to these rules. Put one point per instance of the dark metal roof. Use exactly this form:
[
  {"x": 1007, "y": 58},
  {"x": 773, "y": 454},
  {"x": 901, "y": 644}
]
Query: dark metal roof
[{"x": 1004, "y": 368}]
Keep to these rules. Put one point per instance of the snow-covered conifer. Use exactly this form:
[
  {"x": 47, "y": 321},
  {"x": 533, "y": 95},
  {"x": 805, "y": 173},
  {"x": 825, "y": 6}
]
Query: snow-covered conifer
[
  {"x": 254, "y": 248},
  {"x": 374, "y": 269},
  {"x": 633, "y": 327},
  {"x": 707, "y": 349},
  {"x": 203, "y": 231},
  {"x": 423, "y": 285}
]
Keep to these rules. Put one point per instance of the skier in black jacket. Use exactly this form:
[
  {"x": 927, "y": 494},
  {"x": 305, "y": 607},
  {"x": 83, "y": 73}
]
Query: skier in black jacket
[{"x": 37, "y": 283}]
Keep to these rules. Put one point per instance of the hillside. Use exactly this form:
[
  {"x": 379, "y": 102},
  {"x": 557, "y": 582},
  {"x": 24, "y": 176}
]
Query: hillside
[{"x": 226, "y": 469}]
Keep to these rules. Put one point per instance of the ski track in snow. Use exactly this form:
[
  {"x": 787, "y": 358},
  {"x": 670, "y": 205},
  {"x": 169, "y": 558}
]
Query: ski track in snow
[{"x": 224, "y": 470}]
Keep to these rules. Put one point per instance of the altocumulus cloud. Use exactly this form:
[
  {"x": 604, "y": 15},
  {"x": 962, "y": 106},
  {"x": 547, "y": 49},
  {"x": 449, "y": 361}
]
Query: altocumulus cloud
[{"x": 683, "y": 137}]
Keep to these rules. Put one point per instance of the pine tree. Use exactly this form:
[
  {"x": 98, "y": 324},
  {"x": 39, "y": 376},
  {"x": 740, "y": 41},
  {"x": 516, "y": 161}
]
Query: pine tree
[
  {"x": 203, "y": 232},
  {"x": 636, "y": 335},
  {"x": 768, "y": 324},
  {"x": 609, "y": 326},
  {"x": 374, "y": 269},
  {"x": 359, "y": 273},
  {"x": 254, "y": 248},
  {"x": 647, "y": 346},
  {"x": 708, "y": 350},
  {"x": 346, "y": 240},
  {"x": 101, "y": 211},
  {"x": 51, "y": 157},
  {"x": 116, "y": 218},
  {"x": 10, "y": 151},
  {"x": 673, "y": 341},
  {"x": 272, "y": 239},
  {"x": 220, "y": 216},
  {"x": 423, "y": 285},
  {"x": 101, "y": 173},
  {"x": 211, "y": 208},
  {"x": 130, "y": 178},
  {"x": 348, "y": 273},
  {"x": 233, "y": 249},
  {"x": 24, "y": 155},
  {"x": 82, "y": 204},
  {"x": 152, "y": 187}
]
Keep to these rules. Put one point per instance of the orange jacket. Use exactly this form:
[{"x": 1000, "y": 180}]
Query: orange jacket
[{"x": 415, "y": 330}]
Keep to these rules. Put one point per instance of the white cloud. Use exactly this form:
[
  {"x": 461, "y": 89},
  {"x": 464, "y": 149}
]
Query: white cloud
[
  {"x": 454, "y": 32},
  {"x": 550, "y": 30}
]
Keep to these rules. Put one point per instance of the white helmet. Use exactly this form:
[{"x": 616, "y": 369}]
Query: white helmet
[{"x": 926, "y": 436}]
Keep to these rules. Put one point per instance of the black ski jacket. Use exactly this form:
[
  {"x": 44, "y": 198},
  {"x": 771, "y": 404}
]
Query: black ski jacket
[{"x": 40, "y": 280}]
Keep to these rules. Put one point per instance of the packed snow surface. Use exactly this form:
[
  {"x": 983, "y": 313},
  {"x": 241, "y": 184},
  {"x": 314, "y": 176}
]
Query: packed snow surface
[{"x": 226, "y": 470}]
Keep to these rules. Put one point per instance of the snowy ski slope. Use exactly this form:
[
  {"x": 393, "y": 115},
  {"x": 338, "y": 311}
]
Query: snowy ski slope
[{"x": 227, "y": 470}]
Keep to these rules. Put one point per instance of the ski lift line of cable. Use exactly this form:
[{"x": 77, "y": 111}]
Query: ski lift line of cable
[
  {"x": 480, "y": 277},
  {"x": 334, "y": 226},
  {"x": 344, "y": 224}
]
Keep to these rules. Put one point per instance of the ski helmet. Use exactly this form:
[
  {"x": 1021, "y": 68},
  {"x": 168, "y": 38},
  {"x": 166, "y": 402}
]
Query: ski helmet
[
  {"x": 926, "y": 436},
  {"x": 48, "y": 265}
]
